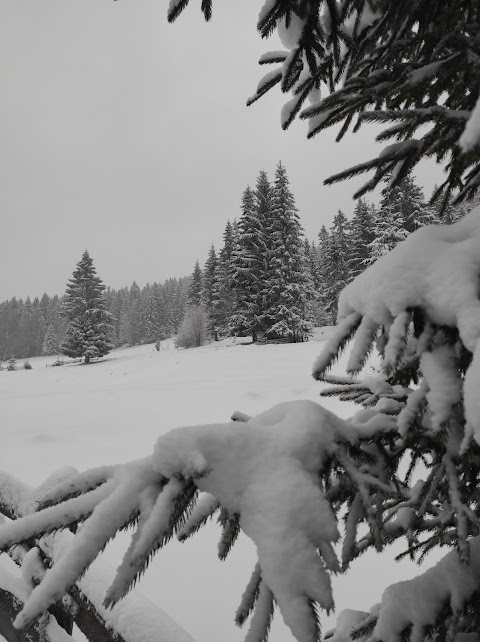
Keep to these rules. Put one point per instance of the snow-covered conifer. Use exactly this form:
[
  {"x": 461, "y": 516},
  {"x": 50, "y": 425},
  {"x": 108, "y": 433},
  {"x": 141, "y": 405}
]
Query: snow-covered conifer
[
  {"x": 84, "y": 307},
  {"x": 209, "y": 281},
  {"x": 152, "y": 316},
  {"x": 248, "y": 266},
  {"x": 290, "y": 284},
  {"x": 195, "y": 288},
  {"x": 224, "y": 294},
  {"x": 335, "y": 265},
  {"x": 325, "y": 275},
  {"x": 389, "y": 230},
  {"x": 50, "y": 343},
  {"x": 362, "y": 234}
]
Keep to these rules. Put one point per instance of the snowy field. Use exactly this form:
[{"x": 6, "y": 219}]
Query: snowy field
[{"x": 113, "y": 411}]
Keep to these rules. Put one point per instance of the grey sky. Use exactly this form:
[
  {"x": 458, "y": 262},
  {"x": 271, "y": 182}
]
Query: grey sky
[{"x": 130, "y": 137}]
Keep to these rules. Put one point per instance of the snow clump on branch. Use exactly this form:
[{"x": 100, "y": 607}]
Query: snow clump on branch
[
  {"x": 436, "y": 270},
  {"x": 262, "y": 472}
]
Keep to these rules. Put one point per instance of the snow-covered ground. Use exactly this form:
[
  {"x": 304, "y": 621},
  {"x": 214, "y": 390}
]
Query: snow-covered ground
[{"x": 113, "y": 411}]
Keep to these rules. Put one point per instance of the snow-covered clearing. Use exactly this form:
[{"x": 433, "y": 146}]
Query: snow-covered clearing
[{"x": 113, "y": 411}]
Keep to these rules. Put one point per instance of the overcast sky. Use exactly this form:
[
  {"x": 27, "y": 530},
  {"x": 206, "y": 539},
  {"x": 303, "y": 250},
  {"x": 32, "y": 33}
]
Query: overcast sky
[{"x": 129, "y": 137}]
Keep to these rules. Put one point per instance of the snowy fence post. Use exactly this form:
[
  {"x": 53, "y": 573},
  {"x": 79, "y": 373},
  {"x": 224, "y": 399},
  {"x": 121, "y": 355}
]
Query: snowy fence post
[{"x": 15, "y": 502}]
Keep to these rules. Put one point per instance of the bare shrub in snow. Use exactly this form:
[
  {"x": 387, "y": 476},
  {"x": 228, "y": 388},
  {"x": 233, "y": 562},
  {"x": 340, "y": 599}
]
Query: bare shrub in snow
[{"x": 194, "y": 329}]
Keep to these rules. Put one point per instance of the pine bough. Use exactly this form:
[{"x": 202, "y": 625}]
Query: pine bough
[
  {"x": 411, "y": 66},
  {"x": 289, "y": 476}
]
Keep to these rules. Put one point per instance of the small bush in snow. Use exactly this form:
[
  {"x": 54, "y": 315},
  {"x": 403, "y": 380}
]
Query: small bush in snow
[{"x": 194, "y": 329}]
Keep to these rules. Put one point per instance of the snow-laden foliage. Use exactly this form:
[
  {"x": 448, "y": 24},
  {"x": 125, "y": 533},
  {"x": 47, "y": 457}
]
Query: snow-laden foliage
[
  {"x": 262, "y": 474},
  {"x": 289, "y": 477},
  {"x": 410, "y": 65},
  {"x": 135, "y": 619}
]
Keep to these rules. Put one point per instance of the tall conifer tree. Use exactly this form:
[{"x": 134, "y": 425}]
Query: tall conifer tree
[
  {"x": 337, "y": 261},
  {"x": 50, "y": 345},
  {"x": 85, "y": 308},
  {"x": 247, "y": 268},
  {"x": 224, "y": 298},
  {"x": 194, "y": 296},
  {"x": 362, "y": 234},
  {"x": 265, "y": 247},
  {"x": 289, "y": 285},
  {"x": 209, "y": 286}
]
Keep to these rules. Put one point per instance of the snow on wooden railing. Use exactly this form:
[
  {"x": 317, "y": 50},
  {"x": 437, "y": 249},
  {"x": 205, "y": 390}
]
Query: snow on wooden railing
[{"x": 134, "y": 619}]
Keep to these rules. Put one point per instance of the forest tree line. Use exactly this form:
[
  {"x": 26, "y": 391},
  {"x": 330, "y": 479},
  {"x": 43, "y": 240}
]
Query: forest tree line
[
  {"x": 141, "y": 315},
  {"x": 267, "y": 279},
  {"x": 240, "y": 287}
]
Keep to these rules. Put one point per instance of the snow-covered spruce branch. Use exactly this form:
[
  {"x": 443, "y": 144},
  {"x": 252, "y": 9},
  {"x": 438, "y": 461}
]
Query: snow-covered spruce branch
[
  {"x": 424, "y": 299},
  {"x": 439, "y": 604},
  {"x": 263, "y": 473},
  {"x": 361, "y": 60},
  {"x": 17, "y": 500},
  {"x": 79, "y": 604}
]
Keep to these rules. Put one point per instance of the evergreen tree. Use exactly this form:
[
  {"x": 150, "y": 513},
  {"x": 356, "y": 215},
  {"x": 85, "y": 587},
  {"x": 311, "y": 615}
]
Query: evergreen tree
[
  {"x": 325, "y": 273},
  {"x": 175, "y": 297},
  {"x": 405, "y": 200},
  {"x": 315, "y": 273},
  {"x": 265, "y": 244},
  {"x": 119, "y": 309},
  {"x": 151, "y": 316},
  {"x": 195, "y": 288},
  {"x": 50, "y": 343},
  {"x": 85, "y": 308},
  {"x": 248, "y": 269},
  {"x": 224, "y": 296},
  {"x": 209, "y": 281},
  {"x": 389, "y": 231},
  {"x": 27, "y": 330},
  {"x": 336, "y": 262},
  {"x": 361, "y": 237},
  {"x": 131, "y": 317},
  {"x": 290, "y": 285},
  {"x": 311, "y": 253},
  {"x": 402, "y": 210}
]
